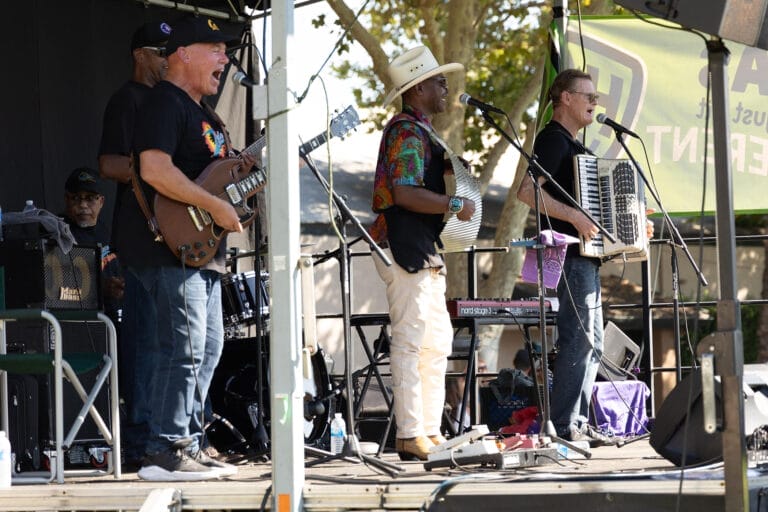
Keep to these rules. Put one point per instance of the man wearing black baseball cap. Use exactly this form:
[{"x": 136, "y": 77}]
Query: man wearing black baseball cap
[
  {"x": 177, "y": 138},
  {"x": 84, "y": 197},
  {"x": 84, "y": 200},
  {"x": 149, "y": 67},
  {"x": 196, "y": 30}
]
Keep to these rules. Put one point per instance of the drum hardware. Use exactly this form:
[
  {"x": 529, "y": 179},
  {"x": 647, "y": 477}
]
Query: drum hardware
[
  {"x": 235, "y": 396},
  {"x": 245, "y": 303}
]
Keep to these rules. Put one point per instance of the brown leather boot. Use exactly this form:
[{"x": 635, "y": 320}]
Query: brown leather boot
[
  {"x": 437, "y": 439},
  {"x": 413, "y": 448}
]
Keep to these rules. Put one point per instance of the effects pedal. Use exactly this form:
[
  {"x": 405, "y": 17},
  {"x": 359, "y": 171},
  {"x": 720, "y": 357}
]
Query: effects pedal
[
  {"x": 477, "y": 432},
  {"x": 482, "y": 451}
]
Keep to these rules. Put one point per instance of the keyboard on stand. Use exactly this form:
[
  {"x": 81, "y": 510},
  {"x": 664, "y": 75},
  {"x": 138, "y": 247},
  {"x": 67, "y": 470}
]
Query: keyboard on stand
[{"x": 525, "y": 308}]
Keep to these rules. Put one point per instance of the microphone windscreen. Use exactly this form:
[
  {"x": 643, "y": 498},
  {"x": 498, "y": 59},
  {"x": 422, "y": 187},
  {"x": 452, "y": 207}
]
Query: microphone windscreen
[
  {"x": 601, "y": 117},
  {"x": 464, "y": 98}
]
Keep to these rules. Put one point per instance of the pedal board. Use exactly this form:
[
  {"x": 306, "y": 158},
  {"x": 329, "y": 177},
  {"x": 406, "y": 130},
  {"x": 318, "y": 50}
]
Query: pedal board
[{"x": 487, "y": 456}]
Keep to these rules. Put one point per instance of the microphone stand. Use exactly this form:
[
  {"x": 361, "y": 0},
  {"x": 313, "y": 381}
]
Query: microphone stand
[
  {"x": 676, "y": 241},
  {"x": 351, "y": 445},
  {"x": 546, "y": 423}
]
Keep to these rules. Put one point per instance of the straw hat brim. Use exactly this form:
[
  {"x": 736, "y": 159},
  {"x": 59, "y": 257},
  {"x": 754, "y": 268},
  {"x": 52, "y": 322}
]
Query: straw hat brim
[{"x": 445, "y": 68}]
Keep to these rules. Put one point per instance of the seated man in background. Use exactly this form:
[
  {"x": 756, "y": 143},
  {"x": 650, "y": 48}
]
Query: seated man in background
[{"x": 84, "y": 200}]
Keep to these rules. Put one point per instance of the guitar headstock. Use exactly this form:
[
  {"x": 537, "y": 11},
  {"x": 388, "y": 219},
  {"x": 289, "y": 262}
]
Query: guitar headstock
[{"x": 345, "y": 122}]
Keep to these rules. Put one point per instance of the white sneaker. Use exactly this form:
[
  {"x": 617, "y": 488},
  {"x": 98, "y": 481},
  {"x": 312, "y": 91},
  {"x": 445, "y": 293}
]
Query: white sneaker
[{"x": 175, "y": 465}]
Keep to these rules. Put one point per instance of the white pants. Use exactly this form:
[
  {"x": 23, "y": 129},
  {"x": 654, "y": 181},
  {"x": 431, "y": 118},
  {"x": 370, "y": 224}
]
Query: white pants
[{"x": 422, "y": 339}]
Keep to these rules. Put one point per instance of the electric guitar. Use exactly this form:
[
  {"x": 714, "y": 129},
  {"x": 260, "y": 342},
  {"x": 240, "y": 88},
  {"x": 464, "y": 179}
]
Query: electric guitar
[{"x": 189, "y": 231}]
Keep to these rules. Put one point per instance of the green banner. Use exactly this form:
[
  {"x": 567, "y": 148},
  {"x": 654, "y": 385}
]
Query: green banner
[{"x": 653, "y": 80}]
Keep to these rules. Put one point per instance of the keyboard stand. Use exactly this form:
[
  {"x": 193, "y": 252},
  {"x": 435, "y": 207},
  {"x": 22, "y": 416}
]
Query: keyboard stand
[
  {"x": 376, "y": 356},
  {"x": 472, "y": 324}
]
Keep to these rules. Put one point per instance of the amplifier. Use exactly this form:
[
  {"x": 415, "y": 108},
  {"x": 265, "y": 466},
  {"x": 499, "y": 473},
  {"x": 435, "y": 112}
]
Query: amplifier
[{"x": 39, "y": 275}]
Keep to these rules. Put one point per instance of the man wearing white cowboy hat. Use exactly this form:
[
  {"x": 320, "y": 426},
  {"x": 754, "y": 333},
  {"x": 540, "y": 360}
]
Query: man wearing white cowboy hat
[{"x": 410, "y": 197}]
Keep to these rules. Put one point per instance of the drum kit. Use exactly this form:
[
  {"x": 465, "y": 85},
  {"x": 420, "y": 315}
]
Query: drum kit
[{"x": 239, "y": 391}]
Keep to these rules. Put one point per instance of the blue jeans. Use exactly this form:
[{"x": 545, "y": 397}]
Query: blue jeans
[
  {"x": 580, "y": 343},
  {"x": 190, "y": 338},
  {"x": 137, "y": 344}
]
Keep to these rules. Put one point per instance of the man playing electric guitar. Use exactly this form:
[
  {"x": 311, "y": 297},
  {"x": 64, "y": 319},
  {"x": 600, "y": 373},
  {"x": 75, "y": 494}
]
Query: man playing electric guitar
[{"x": 177, "y": 138}]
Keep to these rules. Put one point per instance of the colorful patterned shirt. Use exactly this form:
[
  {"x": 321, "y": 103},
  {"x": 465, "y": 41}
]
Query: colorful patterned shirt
[{"x": 402, "y": 157}]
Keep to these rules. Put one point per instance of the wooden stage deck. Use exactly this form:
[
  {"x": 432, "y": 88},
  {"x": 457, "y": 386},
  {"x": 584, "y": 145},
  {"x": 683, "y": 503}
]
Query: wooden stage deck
[{"x": 631, "y": 478}]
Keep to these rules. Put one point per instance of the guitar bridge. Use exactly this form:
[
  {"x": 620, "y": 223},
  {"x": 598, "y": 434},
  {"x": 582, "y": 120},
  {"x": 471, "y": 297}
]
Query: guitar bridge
[{"x": 200, "y": 218}]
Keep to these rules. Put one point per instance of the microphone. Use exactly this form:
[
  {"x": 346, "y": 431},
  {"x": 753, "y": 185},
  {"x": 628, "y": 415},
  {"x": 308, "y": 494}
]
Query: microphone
[
  {"x": 602, "y": 118},
  {"x": 466, "y": 99},
  {"x": 241, "y": 78}
]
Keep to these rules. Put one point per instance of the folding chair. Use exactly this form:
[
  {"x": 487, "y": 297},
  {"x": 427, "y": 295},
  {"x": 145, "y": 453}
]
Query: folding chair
[{"x": 65, "y": 365}]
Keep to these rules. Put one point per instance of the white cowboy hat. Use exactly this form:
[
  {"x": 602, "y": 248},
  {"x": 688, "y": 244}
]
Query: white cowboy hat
[{"x": 413, "y": 67}]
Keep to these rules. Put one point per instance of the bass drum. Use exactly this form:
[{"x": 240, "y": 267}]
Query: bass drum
[{"x": 234, "y": 397}]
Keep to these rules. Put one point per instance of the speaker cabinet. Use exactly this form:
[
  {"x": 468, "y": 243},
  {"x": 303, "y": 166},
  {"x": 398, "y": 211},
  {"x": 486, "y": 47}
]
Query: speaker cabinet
[
  {"x": 39, "y": 275},
  {"x": 743, "y": 21},
  {"x": 674, "y": 417},
  {"x": 620, "y": 354}
]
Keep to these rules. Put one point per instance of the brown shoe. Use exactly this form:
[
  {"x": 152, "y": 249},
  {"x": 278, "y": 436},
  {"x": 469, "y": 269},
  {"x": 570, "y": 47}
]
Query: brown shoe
[
  {"x": 437, "y": 439},
  {"x": 413, "y": 448}
]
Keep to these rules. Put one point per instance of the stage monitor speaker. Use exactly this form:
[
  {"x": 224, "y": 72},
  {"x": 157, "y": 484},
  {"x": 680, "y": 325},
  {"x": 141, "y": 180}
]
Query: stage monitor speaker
[
  {"x": 668, "y": 430},
  {"x": 743, "y": 21},
  {"x": 620, "y": 354},
  {"x": 39, "y": 275}
]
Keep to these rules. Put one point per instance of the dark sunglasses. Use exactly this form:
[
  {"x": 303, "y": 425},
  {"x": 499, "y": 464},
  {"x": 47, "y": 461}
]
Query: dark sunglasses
[{"x": 157, "y": 50}]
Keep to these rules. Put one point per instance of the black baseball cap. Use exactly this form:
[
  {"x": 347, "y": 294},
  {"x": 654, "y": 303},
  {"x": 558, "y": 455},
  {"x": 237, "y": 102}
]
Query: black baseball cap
[
  {"x": 153, "y": 33},
  {"x": 196, "y": 30},
  {"x": 84, "y": 179}
]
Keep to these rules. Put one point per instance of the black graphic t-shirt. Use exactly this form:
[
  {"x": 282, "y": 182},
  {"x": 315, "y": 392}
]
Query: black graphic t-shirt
[{"x": 171, "y": 122}]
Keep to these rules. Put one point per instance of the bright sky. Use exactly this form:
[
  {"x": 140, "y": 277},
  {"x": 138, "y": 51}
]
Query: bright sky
[{"x": 314, "y": 45}]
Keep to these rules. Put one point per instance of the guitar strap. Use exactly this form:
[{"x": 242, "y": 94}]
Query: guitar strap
[
  {"x": 141, "y": 198},
  {"x": 138, "y": 190}
]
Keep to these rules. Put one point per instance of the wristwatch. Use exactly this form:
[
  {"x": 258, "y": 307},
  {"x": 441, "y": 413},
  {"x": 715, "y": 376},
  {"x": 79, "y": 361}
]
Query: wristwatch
[{"x": 455, "y": 204}]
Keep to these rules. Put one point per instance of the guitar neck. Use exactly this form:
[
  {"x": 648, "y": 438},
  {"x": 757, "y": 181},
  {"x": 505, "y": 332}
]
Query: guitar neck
[
  {"x": 256, "y": 147},
  {"x": 307, "y": 147}
]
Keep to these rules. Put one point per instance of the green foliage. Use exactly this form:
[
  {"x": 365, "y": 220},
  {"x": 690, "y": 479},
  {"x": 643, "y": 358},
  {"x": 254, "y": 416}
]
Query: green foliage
[
  {"x": 511, "y": 42},
  {"x": 750, "y": 318}
]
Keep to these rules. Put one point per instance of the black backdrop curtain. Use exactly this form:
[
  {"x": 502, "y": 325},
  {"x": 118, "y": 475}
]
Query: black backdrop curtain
[{"x": 63, "y": 59}]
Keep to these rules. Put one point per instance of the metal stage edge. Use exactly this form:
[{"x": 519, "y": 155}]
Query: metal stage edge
[{"x": 627, "y": 479}]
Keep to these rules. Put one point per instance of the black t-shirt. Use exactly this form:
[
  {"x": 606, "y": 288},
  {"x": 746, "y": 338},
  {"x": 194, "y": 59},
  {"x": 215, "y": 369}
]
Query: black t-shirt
[
  {"x": 117, "y": 132},
  {"x": 554, "y": 149},
  {"x": 171, "y": 122},
  {"x": 91, "y": 235}
]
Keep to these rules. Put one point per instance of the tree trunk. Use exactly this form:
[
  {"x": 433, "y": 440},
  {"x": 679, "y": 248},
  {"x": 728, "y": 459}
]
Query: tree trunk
[{"x": 762, "y": 321}]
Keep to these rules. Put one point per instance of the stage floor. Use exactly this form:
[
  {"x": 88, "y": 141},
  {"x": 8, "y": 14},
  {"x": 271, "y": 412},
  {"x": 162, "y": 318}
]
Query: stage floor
[{"x": 633, "y": 477}]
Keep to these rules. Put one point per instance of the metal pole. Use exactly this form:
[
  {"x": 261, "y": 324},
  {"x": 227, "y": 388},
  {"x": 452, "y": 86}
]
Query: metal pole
[
  {"x": 725, "y": 345},
  {"x": 287, "y": 398}
]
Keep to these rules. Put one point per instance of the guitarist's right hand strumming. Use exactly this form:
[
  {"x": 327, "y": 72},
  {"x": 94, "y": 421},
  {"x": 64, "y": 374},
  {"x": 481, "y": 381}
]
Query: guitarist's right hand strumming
[{"x": 226, "y": 216}]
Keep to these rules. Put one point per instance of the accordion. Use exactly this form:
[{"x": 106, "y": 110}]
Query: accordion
[{"x": 613, "y": 193}]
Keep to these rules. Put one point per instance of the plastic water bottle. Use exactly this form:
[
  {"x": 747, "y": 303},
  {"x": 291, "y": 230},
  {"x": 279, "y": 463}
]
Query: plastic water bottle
[
  {"x": 338, "y": 433},
  {"x": 29, "y": 206},
  {"x": 5, "y": 461}
]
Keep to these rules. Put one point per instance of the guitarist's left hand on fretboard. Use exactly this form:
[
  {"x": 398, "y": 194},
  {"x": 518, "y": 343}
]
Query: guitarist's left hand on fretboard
[{"x": 249, "y": 162}]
